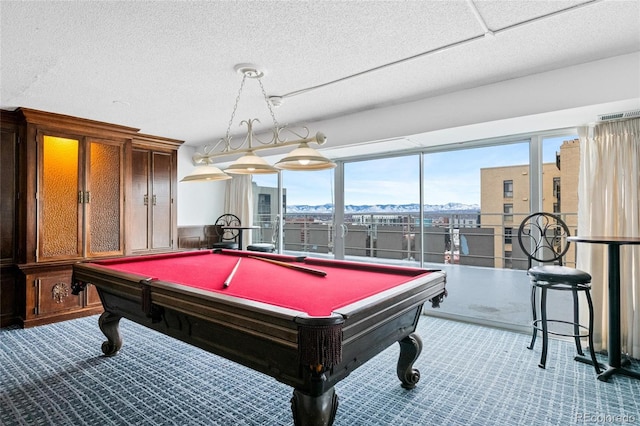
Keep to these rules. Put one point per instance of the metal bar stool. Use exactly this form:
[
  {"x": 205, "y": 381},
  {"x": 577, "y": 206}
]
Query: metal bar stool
[
  {"x": 543, "y": 238},
  {"x": 227, "y": 238},
  {"x": 267, "y": 247},
  {"x": 262, "y": 247}
]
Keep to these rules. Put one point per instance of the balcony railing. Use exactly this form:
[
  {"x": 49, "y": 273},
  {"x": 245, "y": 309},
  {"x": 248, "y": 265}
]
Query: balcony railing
[{"x": 467, "y": 238}]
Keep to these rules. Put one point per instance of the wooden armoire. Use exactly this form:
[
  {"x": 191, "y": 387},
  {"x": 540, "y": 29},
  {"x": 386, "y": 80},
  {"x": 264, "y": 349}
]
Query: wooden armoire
[{"x": 75, "y": 190}]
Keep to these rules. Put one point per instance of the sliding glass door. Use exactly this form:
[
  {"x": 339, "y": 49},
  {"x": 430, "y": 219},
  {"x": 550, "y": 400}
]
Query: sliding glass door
[{"x": 474, "y": 200}]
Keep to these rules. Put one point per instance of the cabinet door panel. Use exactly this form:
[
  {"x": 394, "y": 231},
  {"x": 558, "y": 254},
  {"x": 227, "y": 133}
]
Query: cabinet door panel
[
  {"x": 139, "y": 203},
  {"x": 59, "y": 203},
  {"x": 104, "y": 198},
  {"x": 8, "y": 196},
  {"x": 161, "y": 181},
  {"x": 52, "y": 293}
]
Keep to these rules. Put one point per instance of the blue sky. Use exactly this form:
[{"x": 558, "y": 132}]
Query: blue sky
[{"x": 452, "y": 176}]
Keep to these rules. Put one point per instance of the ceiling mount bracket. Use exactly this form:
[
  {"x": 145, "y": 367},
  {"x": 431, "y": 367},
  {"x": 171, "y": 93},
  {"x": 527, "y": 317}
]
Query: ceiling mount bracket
[{"x": 249, "y": 70}]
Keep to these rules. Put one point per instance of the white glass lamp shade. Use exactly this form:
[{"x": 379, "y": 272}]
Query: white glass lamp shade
[
  {"x": 305, "y": 158},
  {"x": 204, "y": 173},
  {"x": 250, "y": 164}
]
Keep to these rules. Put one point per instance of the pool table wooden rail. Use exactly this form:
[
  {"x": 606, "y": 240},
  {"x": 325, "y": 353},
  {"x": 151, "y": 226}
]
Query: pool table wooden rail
[{"x": 205, "y": 319}]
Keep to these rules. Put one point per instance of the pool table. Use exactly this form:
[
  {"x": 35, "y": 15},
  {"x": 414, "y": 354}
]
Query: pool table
[{"x": 307, "y": 322}]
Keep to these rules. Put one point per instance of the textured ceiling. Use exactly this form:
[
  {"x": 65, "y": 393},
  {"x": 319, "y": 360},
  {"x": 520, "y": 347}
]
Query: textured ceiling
[{"x": 168, "y": 67}]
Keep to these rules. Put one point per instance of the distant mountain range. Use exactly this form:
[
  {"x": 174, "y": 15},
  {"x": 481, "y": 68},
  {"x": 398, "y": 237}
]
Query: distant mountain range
[{"x": 386, "y": 208}]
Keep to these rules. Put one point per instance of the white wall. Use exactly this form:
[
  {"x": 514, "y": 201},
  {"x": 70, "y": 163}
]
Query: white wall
[
  {"x": 199, "y": 203},
  {"x": 567, "y": 97}
]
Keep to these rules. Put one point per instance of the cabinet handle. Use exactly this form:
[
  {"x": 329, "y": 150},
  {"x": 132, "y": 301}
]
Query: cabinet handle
[
  {"x": 146, "y": 199},
  {"x": 84, "y": 197},
  {"x": 154, "y": 200}
]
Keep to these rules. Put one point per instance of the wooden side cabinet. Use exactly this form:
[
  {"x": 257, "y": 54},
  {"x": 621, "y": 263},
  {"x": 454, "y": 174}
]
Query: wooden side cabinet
[
  {"x": 8, "y": 220},
  {"x": 47, "y": 295},
  {"x": 73, "y": 188}
]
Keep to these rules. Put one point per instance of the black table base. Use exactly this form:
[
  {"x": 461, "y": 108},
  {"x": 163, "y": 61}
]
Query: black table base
[
  {"x": 609, "y": 370},
  {"x": 616, "y": 363}
]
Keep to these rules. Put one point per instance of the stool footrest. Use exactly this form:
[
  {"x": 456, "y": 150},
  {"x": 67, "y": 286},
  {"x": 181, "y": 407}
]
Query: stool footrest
[{"x": 555, "y": 333}]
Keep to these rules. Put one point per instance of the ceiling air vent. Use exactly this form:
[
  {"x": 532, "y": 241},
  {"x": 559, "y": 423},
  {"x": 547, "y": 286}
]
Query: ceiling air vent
[{"x": 619, "y": 115}]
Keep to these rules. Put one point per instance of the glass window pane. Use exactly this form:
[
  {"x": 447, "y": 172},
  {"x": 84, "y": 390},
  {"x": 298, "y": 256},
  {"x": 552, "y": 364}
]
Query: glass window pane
[
  {"x": 308, "y": 226},
  {"x": 308, "y": 210},
  {"x": 507, "y": 186},
  {"x": 382, "y": 205},
  {"x": 471, "y": 196},
  {"x": 561, "y": 162},
  {"x": 265, "y": 208}
]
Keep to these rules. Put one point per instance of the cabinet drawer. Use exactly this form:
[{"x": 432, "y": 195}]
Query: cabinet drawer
[{"x": 50, "y": 293}]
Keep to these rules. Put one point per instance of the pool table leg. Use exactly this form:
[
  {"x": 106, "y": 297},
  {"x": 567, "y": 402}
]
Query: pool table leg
[
  {"x": 110, "y": 325},
  {"x": 410, "y": 348},
  {"x": 311, "y": 410}
]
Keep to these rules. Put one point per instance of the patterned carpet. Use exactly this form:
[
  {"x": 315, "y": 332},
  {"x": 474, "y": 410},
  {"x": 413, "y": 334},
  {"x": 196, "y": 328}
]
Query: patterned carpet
[{"x": 471, "y": 375}]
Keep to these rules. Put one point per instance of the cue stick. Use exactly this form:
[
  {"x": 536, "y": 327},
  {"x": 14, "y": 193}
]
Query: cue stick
[
  {"x": 227, "y": 282},
  {"x": 289, "y": 265}
]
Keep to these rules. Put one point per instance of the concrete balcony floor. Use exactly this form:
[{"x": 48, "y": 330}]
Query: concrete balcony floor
[
  {"x": 496, "y": 297},
  {"x": 487, "y": 296}
]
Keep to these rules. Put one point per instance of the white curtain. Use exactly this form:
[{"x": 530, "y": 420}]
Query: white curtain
[
  {"x": 238, "y": 200},
  {"x": 609, "y": 205}
]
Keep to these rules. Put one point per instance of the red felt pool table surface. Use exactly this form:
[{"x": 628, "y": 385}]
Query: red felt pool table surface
[{"x": 345, "y": 282}]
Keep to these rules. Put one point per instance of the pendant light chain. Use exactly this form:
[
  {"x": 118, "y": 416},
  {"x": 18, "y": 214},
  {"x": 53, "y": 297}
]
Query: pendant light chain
[
  {"x": 235, "y": 107},
  {"x": 273, "y": 116}
]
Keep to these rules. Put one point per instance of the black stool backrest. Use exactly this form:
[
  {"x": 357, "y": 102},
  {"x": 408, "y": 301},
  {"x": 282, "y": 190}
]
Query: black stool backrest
[
  {"x": 227, "y": 219},
  {"x": 543, "y": 237}
]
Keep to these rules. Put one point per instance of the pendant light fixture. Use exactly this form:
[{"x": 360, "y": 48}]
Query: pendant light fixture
[
  {"x": 204, "y": 172},
  {"x": 301, "y": 158},
  {"x": 305, "y": 158}
]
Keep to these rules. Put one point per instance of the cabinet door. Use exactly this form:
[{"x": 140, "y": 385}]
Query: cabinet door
[
  {"x": 139, "y": 203},
  {"x": 103, "y": 198},
  {"x": 50, "y": 293},
  {"x": 161, "y": 201},
  {"x": 8, "y": 196},
  {"x": 151, "y": 204},
  {"x": 59, "y": 198}
]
